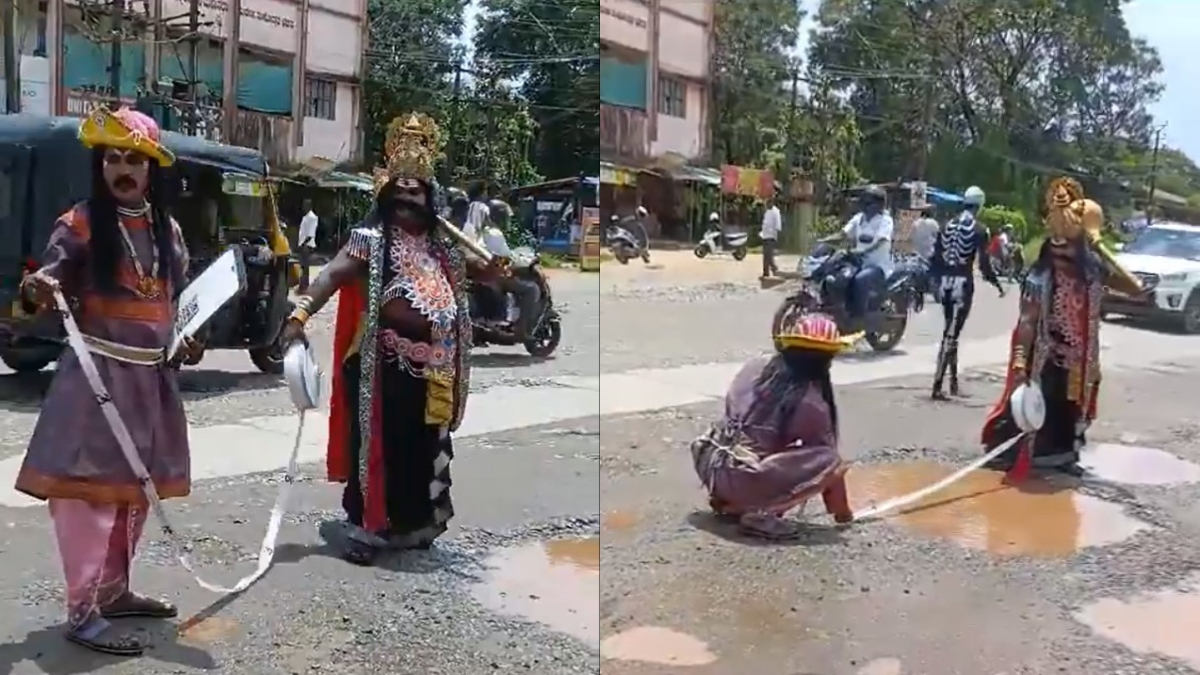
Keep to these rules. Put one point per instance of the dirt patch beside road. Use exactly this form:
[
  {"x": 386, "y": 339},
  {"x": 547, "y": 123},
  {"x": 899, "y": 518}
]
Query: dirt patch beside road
[{"x": 682, "y": 268}]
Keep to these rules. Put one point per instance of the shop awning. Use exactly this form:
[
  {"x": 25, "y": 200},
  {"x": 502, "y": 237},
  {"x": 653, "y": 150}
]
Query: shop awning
[
  {"x": 697, "y": 174},
  {"x": 339, "y": 180},
  {"x": 940, "y": 197},
  {"x": 612, "y": 174}
]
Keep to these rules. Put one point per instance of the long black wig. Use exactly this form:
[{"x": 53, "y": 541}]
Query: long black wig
[
  {"x": 106, "y": 247},
  {"x": 788, "y": 375}
]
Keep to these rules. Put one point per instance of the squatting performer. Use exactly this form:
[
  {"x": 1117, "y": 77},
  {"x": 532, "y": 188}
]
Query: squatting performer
[{"x": 1056, "y": 341}]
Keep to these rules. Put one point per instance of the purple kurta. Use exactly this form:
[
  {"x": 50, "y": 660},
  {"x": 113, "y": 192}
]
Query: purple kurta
[
  {"x": 73, "y": 453},
  {"x": 770, "y": 465}
]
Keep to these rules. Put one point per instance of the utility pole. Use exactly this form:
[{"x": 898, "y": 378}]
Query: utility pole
[
  {"x": 786, "y": 181},
  {"x": 455, "y": 105},
  {"x": 791, "y": 141},
  {"x": 12, "y": 71},
  {"x": 114, "y": 68},
  {"x": 1153, "y": 174},
  {"x": 193, "y": 71}
]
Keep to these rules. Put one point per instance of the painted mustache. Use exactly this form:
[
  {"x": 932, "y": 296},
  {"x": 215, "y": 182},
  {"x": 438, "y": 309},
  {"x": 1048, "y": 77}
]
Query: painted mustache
[{"x": 125, "y": 183}]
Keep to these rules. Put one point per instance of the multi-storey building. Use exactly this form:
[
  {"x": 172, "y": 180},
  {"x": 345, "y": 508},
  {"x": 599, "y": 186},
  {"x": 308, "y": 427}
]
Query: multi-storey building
[
  {"x": 655, "y": 79},
  {"x": 279, "y": 75}
]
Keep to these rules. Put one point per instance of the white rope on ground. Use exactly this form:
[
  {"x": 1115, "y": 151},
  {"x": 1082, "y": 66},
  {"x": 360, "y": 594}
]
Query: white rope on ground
[
  {"x": 897, "y": 503},
  {"x": 266, "y": 553}
]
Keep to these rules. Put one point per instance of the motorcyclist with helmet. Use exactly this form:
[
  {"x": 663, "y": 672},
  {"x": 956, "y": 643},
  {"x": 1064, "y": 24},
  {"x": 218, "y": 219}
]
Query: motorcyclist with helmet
[
  {"x": 869, "y": 233},
  {"x": 962, "y": 242},
  {"x": 525, "y": 293},
  {"x": 457, "y": 205}
]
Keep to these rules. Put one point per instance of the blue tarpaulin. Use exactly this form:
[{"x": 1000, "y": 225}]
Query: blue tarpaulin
[{"x": 939, "y": 197}]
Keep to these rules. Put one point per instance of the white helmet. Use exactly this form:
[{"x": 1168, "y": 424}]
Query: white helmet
[
  {"x": 713, "y": 217},
  {"x": 642, "y": 212},
  {"x": 974, "y": 196}
]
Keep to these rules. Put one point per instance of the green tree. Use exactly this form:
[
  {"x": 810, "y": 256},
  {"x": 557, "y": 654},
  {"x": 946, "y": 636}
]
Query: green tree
[
  {"x": 496, "y": 133},
  {"x": 998, "y": 93},
  {"x": 411, "y": 60},
  {"x": 550, "y": 49},
  {"x": 752, "y": 64}
]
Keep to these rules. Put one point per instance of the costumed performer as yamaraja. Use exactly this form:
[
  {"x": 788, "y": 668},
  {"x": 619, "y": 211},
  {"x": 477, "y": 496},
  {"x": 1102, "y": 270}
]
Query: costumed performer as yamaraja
[
  {"x": 776, "y": 446},
  {"x": 120, "y": 258},
  {"x": 401, "y": 356},
  {"x": 1056, "y": 343}
]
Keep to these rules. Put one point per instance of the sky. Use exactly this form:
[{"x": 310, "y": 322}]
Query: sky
[{"x": 1164, "y": 24}]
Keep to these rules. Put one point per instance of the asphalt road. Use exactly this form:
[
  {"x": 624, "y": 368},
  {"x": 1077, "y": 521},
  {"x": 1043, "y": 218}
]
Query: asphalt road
[
  {"x": 1055, "y": 577},
  {"x": 585, "y": 538}
]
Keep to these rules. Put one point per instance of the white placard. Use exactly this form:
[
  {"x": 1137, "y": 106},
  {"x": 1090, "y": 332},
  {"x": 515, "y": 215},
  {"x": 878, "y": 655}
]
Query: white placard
[{"x": 224, "y": 279}]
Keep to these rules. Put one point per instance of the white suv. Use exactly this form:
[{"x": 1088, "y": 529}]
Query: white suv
[{"x": 1165, "y": 257}]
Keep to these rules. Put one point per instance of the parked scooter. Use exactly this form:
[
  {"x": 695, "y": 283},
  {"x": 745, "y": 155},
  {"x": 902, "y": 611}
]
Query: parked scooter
[
  {"x": 623, "y": 244},
  {"x": 716, "y": 240}
]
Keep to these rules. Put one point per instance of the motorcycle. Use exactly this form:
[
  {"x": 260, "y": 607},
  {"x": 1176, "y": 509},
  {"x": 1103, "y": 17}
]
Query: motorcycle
[
  {"x": 826, "y": 276},
  {"x": 623, "y": 245},
  {"x": 547, "y": 330},
  {"x": 718, "y": 241}
]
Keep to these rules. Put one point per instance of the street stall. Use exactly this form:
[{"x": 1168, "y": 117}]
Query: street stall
[
  {"x": 743, "y": 194},
  {"x": 556, "y": 211},
  {"x": 619, "y": 192},
  {"x": 698, "y": 195}
]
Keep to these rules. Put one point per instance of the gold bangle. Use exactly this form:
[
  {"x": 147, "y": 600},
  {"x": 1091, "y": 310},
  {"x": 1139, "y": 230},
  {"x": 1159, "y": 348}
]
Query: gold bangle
[{"x": 299, "y": 315}]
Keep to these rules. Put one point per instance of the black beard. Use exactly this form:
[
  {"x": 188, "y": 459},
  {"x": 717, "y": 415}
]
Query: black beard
[{"x": 124, "y": 183}]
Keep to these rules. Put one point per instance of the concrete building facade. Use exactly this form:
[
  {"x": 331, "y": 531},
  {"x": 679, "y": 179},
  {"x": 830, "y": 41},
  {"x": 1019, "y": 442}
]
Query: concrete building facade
[
  {"x": 284, "y": 77},
  {"x": 656, "y": 84}
]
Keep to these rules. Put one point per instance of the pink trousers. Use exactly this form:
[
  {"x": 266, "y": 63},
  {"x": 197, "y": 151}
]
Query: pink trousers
[{"x": 97, "y": 543}]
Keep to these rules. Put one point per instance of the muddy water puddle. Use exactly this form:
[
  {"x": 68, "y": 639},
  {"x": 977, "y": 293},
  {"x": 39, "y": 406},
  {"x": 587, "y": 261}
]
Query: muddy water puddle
[
  {"x": 657, "y": 645},
  {"x": 1164, "y": 622},
  {"x": 555, "y": 583},
  {"x": 207, "y": 630},
  {"x": 1137, "y": 465},
  {"x": 614, "y": 522},
  {"x": 980, "y": 512}
]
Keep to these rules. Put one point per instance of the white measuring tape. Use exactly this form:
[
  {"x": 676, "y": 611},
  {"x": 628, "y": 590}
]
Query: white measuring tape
[
  {"x": 266, "y": 553},
  {"x": 897, "y": 503}
]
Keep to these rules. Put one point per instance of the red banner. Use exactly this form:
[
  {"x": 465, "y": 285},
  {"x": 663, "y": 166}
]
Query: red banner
[{"x": 736, "y": 180}]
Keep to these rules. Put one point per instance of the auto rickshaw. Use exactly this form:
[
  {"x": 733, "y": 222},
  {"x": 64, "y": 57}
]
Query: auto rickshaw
[{"x": 221, "y": 196}]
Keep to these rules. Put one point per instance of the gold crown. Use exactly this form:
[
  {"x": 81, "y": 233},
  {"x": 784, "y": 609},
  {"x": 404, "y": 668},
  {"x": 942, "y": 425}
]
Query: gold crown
[{"x": 410, "y": 149}]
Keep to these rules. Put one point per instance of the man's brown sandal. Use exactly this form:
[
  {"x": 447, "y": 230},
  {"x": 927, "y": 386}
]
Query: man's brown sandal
[{"x": 132, "y": 605}]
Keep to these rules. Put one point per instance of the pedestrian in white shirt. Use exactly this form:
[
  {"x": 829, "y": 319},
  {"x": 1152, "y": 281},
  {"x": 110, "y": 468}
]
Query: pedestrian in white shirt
[
  {"x": 924, "y": 234},
  {"x": 772, "y": 225},
  {"x": 478, "y": 212},
  {"x": 306, "y": 242},
  {"x": 869, "y": 233}
]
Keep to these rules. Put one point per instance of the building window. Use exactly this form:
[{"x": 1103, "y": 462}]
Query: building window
[
  {"x": 322, "y": 98},
  {"x": 39, "y": 46},
  {"x": 672, "y": 97}
]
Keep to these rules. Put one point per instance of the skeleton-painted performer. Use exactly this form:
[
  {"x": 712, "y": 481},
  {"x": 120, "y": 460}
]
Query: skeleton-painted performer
[
  {"x": 120, "y": 258},
  {"x": 402, "y": 345},
  {"x": 1056, "y": 343},
  {"x": 959, "y": 246}
]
